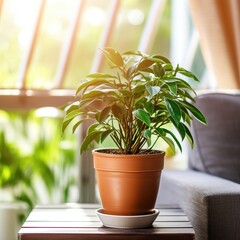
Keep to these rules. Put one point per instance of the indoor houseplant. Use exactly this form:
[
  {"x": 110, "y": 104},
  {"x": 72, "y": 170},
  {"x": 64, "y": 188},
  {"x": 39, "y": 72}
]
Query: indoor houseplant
[{"x": 133, "y": 106}]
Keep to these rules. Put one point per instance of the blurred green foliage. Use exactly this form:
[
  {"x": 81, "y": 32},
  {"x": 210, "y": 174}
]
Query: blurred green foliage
[{"x": 36, "y": 164}]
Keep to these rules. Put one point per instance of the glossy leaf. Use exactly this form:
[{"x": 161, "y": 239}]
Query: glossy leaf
[
  {"x": 147, "y": 134},
  {"x": 164, "y": 59},
  {"x": 90, "y": 138},
  {"x": 105, "y": 134},
  {"x": 92, "y": 128},
  {"x": 181, "y": 129},
  {"x": 173, "y": 88},
  {"x": 149, "y": 107},
  {"x": 153, "y": 90},
  {"x": 139, "y": 89},
  {"x": 180, "y": 83},
  {"x": 100, "y": 75},
  {"x": 117, "y": 111},
  {"x": 72, "y": 107},
  {"x": 93, "y": 94},
  {"x": 142, "y": 116},
  {"x": 174, "y": 110},
  {"x": 158, "y": 70},
  {"x": 189, "y": 136},
  {"x": 114, "y": 56},
  {"x": 93, "y": 82},
  {"x": 103, "y": 115},
  {"x": 174, "y": 137},
  {"x": 77, "y": 124},
  {"x": 72, "y": 114},
  {"x": 144, "y": 93},
  {"x": 196, "y": 113},
  {"x": 137, "y": 53},
  {"x": 66, "y": 123},
  {"x": 187, "y": 73},
  {"x": 168, "y": 140},
  {"x": 144, "y": 64}
]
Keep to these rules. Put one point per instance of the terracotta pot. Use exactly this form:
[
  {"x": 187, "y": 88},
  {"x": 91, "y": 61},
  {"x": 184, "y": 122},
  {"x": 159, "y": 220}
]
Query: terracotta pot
[{"x": 128, "y": 184}]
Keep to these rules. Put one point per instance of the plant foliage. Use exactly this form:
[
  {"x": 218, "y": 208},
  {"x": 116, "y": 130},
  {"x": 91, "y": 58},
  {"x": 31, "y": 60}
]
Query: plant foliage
[{"x": 134, "y": 104}]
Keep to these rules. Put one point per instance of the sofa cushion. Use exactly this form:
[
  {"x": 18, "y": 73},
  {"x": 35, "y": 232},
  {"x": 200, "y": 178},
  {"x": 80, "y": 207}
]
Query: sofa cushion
[
  {"x": 217, "y": 145},
  {"x": 211, "y": 203}
]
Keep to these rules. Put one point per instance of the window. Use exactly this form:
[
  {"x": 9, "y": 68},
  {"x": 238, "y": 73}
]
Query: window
[{"x": 47, "y": 46}]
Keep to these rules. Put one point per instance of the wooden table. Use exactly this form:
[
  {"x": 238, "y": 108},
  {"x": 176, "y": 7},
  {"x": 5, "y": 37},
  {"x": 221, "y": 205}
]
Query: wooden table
[{"x": 79, "y": 221}]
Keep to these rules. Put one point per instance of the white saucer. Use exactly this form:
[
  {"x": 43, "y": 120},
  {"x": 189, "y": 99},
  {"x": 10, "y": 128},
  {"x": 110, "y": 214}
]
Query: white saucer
[{"x": 120, "y": 221}]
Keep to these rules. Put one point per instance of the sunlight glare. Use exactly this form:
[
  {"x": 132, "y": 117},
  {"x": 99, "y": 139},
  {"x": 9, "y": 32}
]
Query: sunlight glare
[
  {"x": 95, "y": 16},
  {"x": 135, "y": 17}
]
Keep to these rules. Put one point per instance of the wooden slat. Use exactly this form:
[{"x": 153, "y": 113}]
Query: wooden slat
[
  {"x": 96, "y": 223},
  {"x": 11, "y": 99},
  {"x": 69, "y": 46},
  {"x": 24, "y": 68},
  {"x": 1, "y": 4},
  {"x": 150, "y": 28},
  {"x": 80, "y": 217},
  {"x": 106, "y": 35},
  {"x": 78, "y": 222}
]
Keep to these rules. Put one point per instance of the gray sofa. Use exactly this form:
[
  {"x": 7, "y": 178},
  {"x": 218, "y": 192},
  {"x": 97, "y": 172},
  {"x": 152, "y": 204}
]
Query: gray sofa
[{"x": 209, "y": 190}]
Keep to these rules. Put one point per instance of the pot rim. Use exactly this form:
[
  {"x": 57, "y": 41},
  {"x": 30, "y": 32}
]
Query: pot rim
[
  {"x": 128, "y": 162},
  {"x": 100, "y": 151}
]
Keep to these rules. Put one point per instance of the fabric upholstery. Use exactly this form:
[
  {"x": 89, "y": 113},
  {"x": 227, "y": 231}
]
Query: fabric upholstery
[
  {"x": 217, "y": 146},
  {"x": 211, "y": 203}
]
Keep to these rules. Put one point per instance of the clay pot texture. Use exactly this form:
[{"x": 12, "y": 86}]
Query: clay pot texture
[{"x": 128, "y": 184}]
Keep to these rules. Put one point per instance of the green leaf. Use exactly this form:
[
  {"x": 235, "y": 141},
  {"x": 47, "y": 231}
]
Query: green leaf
[
  {"x": 103, "y": 115},
  {"x": 144, "y": 64},
  {"x": 147, "y": 134},
  {"x": 73, "y": 106},
  {"x": 189, "y": 136},
  {"x": 174, "y": 110},
  {"x": 153, "y": 90},
  {"x": 92, "y": 128},
  {"x": 139, "y": 89},
  {"x": 186, "y": 117},
  {"x": 113, "y": 56},
  {"x": 180, "y": 128},
  {"x": 65, "y": 124},
  {"x": 100, "y": 75},
  {"x": 174, "y": 137},
  {"x": 117, "y": 111},
  {"x": 149, "y": 107},
  {"x": 187, "y": 73},
  {"x": 137, "y": 53},
  {"x": 158, "y": 70},
  {"x": 167, "y": 67},
  {"x": 105, "y": 134},
  {"x": 180, "y": 82},
  {"x": 164, "y": 59},
  {"x": 168, "y": 140},
  {"x": 188, "y": 95},
  {"x": 173, "y": 88},
  {"x": 93, "y": 82},
  {"x": 148, "y": 70},
  {"x": 89, "y": 139},
  {"x": 72, "y": 115},
  {"x": 142, "y": 116},
  {"x": 77, "y": 124},
  {"x": 195, "y": 112},
  {"x": 131, "y": 70},
  {"x": 93, "y": 94},
  {"x": 125, "y": 93}
]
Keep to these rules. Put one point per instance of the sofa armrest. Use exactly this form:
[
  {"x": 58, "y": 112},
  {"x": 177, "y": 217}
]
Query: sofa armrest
[{"x": 212, "y": 204}]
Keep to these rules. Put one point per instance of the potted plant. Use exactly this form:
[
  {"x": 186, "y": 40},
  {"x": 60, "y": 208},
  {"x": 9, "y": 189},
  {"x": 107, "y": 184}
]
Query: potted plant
[{"x": 133, "y": 106}]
